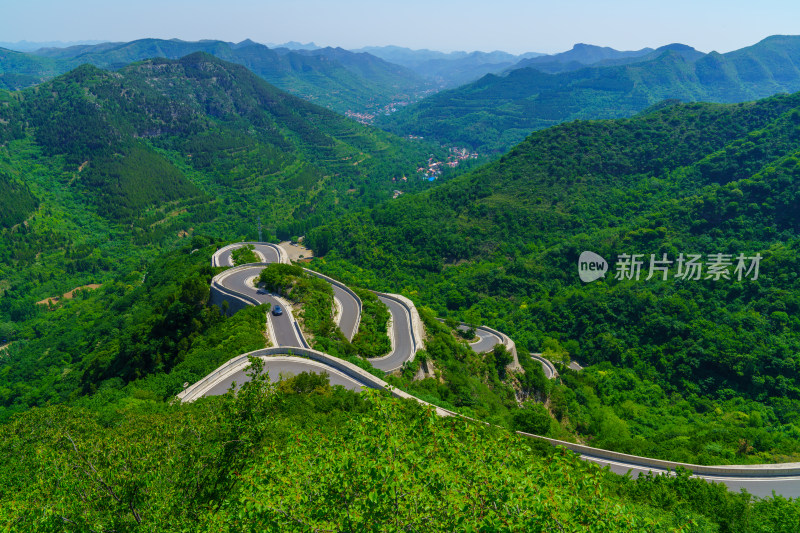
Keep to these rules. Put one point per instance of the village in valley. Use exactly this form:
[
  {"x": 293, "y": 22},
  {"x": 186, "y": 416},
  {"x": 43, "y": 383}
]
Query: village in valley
[
  {"x": 435, "y": 167},
  {"x": 368, "y": 117}
]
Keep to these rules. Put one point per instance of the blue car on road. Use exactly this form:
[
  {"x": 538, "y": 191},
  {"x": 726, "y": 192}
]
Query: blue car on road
[{"x": 277, "y": 311}]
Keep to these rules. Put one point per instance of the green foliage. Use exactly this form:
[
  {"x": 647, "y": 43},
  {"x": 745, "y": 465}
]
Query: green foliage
[
  {"x": 156, "y": 466},
  {"x": 297, "y": 456},
  {"x": 16, "y": 201},
  {"x": 244, "y": 255},
  {"x": 372, "y": 340},
  {"x": 279, "y": 277},
  {"x": 124, "y": 184},
  {"x": 613, "y": 408},
  {"x": 533, "y": 418},
  {"x": 466, "y": 382},
  {"x": 381, "y": 472},
  {"x": 19, "y": 70},
  {"x": 502, "y": 358},
  {"x": 732, "y": 512}
]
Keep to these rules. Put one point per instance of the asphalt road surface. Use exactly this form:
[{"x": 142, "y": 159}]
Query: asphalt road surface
[
  {"x": 487, "y": 340},
  {"x": 286, "y": 366},
  {"x": 269, "y": 253},
  {"x": 285, "y": 333},
  {"x": 788, "y": 487},
  {"x": 401, "y": 328},
  {"x": 347, "y": 320}
]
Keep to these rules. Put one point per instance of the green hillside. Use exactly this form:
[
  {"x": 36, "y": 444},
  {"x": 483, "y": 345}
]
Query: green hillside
[
  {"x": 332, "y": 78},
  {"x": 496, "y": 112},
  {"x": 161, "y": 130},
  {"x": 19, "y": 70},
  {"x": 501, "y": 246}
]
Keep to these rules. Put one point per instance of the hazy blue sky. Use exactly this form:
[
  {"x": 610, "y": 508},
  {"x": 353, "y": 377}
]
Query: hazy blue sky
[{"x": 511, "y": 25}]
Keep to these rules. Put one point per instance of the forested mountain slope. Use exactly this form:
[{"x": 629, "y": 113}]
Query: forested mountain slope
[
  {"x": 106, "y": 168},
  {"x": 132, "y": 137},
  {"x": 496, "y": 112},
  {"x": 501, "y": 245},
  {"x": 16, "y": 201}
]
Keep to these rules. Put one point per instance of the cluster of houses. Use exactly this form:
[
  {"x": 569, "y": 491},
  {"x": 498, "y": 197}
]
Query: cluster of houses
[
  {"x": 364, "y": 118},
  {"x": 434, "y": 168},
  {"x": 368, "y": 118}
]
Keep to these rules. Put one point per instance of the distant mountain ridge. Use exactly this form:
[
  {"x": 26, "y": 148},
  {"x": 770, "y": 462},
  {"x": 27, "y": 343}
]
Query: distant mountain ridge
[
  {"x": 31, "y": 46},
  {"x": 448, "y": 68},
  {"x": 496, "y": 112},
  {"x": 579, "y": 56},
  {"x": 341, "y": 81},
  {"x": 294, "y": 45}
]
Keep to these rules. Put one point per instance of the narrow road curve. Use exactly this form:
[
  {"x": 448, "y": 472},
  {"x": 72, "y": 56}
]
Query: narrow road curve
[
  {"x": 350, "y": 315},
  {"x": 402, "y": 345},
  {"x": 283, "y": 325},
  {"x": 486, "y": 340},
  {"x": 347, "y": 320},
  {"x": 754, "y": 478},
  {"x": 549, "y": 369},
  {"x": 269, "y": 254},
  {"x": 277, "y": 366}
]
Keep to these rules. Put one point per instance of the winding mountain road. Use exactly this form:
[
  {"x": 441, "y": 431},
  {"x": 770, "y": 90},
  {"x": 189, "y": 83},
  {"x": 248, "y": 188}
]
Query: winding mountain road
[
  {"x": 760, "y": 480},
  {"x": 402, "y": 341},
  {"x": 241, "y": 281},
  {"x": 269, "y": 253}
]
